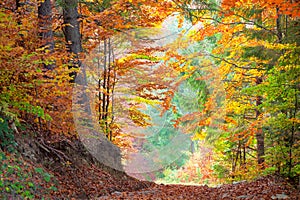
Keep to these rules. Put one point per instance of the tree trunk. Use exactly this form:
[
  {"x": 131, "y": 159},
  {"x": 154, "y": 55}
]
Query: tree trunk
[
  {"x": 45, "y": 26},
  {"x": 72, "y": 31},
  {"x": 260, "y": 138},
  {"x": 278, "y": 26},
  {"x": 71, "y": 28}
]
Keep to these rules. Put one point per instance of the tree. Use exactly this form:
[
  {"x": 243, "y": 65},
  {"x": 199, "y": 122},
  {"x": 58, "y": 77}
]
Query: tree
[
  {"x": 251, "y": 38},
  {"x": 71, "y": 31},
  {"x": 45, "y": 26}
]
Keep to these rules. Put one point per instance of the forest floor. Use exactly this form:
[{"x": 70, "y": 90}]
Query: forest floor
[
  {"x": 263, "y": 188},
  {"x": 96, "y": 183},
  {"x": 78, "y": 176}
]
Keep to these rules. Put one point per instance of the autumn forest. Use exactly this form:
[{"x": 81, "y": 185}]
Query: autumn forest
[{"x": 117, "y": 99}]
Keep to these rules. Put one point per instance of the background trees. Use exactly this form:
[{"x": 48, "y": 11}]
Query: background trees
[{"x": 252, "y": 39}]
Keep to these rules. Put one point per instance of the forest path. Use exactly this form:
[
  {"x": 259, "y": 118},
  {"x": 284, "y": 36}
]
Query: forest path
[{"x": 266, "y": 188}]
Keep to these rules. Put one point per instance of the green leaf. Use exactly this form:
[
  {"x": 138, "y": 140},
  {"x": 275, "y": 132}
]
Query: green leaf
[
  {"x": 39, "y": 170},
  {"x": 30, "y": 184},
  {"x": 47, "y": 177}
]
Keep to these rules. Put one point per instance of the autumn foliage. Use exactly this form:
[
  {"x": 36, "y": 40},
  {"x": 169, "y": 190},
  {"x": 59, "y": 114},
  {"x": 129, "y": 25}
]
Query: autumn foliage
[{"x": 223, "y": 73}]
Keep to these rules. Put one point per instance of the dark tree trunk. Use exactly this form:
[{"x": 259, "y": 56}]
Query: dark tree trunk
[
  {"x": 260, "y": 138},
  {"x": 72, "y": 31},
  {"x": 18, "y": 4},
  {"x": 45, "y": 26},
  {"x": 278, "y": 26},
  {"x": 106, "y": 85},
  {"x": 71, "y": 28}
]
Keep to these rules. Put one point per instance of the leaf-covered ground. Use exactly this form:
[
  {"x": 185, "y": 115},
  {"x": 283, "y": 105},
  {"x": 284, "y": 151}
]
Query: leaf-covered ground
[
  {"x": 82, "y": 178},
  {"x": 263, "y": 188},
  {"x": 95, "y": 183}
]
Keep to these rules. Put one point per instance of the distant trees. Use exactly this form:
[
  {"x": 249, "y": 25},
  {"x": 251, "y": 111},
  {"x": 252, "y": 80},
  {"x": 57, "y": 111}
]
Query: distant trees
[{"x": 253, "y": 42}]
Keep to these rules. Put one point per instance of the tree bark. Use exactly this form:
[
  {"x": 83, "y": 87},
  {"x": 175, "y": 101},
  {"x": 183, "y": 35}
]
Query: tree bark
[
  {"x": 260, "y": 138},
  {"x": 72, "y": 31},
  {"x": 45, "y": 27},
  {"x": 71, "y": 26},
  {"x": 278, "y": 26}
]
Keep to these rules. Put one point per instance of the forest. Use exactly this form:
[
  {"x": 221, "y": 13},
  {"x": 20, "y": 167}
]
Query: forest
[{"x": 149, "y": 99}]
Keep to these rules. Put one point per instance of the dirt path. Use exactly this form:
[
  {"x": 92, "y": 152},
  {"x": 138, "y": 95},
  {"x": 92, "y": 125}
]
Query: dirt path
[{"x": 264, "y": 188}]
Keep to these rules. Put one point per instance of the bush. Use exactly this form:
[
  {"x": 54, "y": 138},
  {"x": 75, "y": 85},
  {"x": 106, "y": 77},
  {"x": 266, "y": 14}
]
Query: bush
[{"x": 7, "y": 139}]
